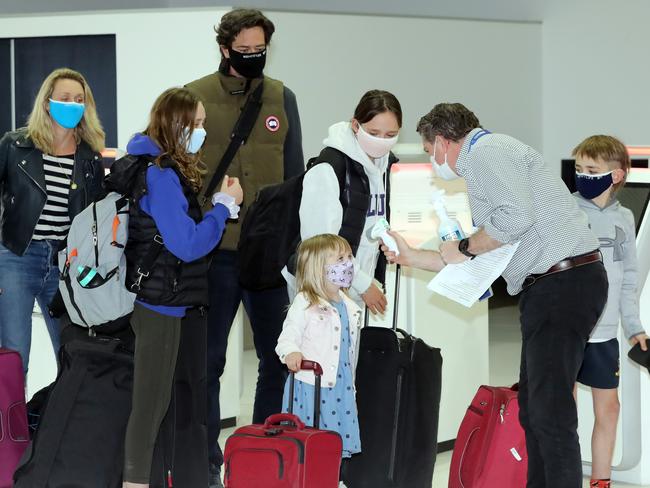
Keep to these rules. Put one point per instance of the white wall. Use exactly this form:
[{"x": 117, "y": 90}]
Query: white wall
[
  {"x": 596, "y": 73},
  {"x": 329, "y": 61}
]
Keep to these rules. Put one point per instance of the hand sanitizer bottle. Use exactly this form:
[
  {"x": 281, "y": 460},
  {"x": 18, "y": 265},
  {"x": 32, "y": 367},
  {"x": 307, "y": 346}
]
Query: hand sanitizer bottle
[{"x": 449, "y": 229}]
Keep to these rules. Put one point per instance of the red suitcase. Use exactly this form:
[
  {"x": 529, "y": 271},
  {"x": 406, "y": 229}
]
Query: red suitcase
[
  {"x": 283, "y": 453},
  {"x": 14, "y": 435},
  {"x": 490, "y": 449}
]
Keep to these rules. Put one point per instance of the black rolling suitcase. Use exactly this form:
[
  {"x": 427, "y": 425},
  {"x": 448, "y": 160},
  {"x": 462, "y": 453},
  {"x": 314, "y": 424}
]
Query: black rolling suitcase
[{"x": 398, "y": 382}]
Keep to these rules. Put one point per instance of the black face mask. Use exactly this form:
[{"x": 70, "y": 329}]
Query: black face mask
[{"x": 249, "y": 65}]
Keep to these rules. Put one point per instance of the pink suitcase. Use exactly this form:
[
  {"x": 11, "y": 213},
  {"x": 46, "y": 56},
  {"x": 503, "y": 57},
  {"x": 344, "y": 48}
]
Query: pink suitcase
[
  {"x": 14, "y": 434},
  {"x": 490, "y": 449}
]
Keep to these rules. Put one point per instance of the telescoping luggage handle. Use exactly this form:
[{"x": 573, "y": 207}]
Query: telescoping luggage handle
[{"x": 278, "y": 418}]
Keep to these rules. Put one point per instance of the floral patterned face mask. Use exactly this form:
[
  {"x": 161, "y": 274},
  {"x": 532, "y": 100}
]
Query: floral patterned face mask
[{"x": 340, "y": 274}]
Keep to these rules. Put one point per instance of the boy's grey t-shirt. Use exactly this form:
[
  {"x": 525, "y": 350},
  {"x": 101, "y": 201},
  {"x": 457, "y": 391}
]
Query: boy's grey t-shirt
[{"x": 614, "y": 227}]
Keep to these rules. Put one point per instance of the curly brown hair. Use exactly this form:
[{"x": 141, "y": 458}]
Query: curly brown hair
[
  {"x": 172, "y": 113},
  {"x": 237, "y": 20}
]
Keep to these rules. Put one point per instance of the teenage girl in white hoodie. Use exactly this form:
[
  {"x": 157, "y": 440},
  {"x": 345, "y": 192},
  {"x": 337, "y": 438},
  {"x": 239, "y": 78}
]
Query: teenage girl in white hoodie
[{"x": 366, "y": 139}]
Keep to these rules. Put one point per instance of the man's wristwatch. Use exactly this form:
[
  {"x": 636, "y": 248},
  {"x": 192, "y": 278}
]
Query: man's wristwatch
[{"x": 462, "y": 248}]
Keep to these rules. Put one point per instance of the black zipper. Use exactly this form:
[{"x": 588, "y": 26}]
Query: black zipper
[
  {"x": 177, "y": 275},
  {"x": 42, "y": 191},
  {"x": 252, "y": 449},
  {"x": 301, "y": 446},
  {"x": 393, "y": 447},
  {"x": 94, "y": 231},
  {"x": 68, "y": 287},
  {"x": 32, "y": 178},
  {"x": 476, "y": 410}
]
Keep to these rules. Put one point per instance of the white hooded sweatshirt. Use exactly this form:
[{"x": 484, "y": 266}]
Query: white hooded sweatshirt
[{"x": 321, "y": 211}]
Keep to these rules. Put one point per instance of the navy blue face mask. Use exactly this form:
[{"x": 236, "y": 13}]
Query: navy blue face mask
[{"x": 590, "y": 186}]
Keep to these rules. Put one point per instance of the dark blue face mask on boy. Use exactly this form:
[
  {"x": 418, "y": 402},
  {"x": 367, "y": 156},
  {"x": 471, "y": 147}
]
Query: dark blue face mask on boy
[{"x": 590, "y": 186}]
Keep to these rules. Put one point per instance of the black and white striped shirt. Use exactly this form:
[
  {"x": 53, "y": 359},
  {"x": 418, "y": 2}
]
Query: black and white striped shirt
[
  {"x": 55, "y": 220},
  {"x": 514, "y": 196}
]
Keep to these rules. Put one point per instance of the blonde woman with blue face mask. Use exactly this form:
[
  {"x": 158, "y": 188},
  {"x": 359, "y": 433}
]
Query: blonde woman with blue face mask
[
  {"x": 364, "y": 144},
  {"x": 49, "y": 172}
]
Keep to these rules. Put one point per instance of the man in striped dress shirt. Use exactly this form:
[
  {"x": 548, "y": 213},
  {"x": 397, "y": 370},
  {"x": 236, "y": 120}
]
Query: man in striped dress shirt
[{"x": 557, "y": 270}]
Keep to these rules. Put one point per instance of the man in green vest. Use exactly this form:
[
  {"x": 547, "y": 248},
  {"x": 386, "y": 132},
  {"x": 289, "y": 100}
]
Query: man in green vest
[{"x": 272, "y": 153}]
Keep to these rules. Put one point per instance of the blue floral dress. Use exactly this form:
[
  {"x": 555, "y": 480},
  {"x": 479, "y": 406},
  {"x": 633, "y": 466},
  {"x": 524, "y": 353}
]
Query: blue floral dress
[{"x": 338, "y": 405}]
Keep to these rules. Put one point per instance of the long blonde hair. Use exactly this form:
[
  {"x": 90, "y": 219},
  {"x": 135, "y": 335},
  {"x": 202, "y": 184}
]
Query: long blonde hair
[
  {"x": 39, "y": 124},
  {"x": 174, "y": 111},
  {"x": 312, "y": 258}
]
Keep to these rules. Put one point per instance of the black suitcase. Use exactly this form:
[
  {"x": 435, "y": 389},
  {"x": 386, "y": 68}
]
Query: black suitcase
[
  {"x": 398, "y": 382},
  {"x": 79, "y": 439}
]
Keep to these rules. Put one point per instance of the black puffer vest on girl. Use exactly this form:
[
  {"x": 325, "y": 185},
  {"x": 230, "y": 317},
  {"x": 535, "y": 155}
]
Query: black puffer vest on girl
[{"x": 171, "y": 282}]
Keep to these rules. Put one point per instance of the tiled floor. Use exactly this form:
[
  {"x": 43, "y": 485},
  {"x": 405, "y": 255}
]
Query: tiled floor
[{"x": 504, "y": 364}]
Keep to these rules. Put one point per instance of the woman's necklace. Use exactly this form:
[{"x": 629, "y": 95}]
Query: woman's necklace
[{"x": 73, "y": 185}]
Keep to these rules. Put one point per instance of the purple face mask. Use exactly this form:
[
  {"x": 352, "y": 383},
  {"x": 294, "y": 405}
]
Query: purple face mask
[{"x": 340, "y": 274}]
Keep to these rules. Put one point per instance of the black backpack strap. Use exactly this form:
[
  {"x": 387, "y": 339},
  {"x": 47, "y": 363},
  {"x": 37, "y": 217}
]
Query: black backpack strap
[
  {"x": 240, "y": 133},
  {"x": 146, "y": 265},
  {"x": 340, "y": 163}
]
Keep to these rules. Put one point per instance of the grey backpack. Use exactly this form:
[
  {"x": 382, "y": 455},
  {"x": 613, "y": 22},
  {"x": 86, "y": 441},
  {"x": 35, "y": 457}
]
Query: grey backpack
[{"x": 93, "y": 265}]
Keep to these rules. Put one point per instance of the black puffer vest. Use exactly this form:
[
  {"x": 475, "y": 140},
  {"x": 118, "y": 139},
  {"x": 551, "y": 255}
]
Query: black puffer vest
[
  {"x": 355, "y": 200},
  {"x": 171, "y": 282}
]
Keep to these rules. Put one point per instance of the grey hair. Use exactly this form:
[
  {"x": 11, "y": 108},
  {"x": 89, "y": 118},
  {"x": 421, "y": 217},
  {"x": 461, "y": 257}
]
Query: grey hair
[{"x": 452, "y": 121}]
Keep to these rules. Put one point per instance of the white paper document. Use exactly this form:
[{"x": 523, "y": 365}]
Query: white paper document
[{"x": 467, "y": 281}]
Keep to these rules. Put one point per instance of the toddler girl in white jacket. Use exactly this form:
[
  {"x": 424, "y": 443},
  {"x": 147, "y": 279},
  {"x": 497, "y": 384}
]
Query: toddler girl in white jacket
[{"x": 323, "y": 325}]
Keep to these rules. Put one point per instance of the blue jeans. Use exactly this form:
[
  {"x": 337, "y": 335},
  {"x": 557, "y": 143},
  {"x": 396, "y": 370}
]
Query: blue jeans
[
  {"x": 266, "y": 310},
  {"x": 23, "y": 279}
]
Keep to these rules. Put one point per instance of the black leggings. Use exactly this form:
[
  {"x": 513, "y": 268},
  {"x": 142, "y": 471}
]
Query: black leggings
[{"x": 157, "y": 338}]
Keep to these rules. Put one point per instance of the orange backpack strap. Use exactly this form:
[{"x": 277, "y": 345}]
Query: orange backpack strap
[{"x": 73, "y": 254}]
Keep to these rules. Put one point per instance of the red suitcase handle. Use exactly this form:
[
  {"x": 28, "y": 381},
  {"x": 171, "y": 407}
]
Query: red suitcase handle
[
  {"x": 279, "y": 418},
  {"x": 312, "y": 366}
]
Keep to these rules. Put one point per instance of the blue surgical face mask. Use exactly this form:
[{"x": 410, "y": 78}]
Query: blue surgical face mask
[
  {"x": 66, "y": 114},
  {"x": 195, "y": 141},
  {"x": 590, "y": 186}
]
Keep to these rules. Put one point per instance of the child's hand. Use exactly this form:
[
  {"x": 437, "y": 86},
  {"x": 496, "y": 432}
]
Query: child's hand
[
  {"x": 640, "y": 339},
  {"x": 375, "y": 299},
  {"x": 232, "y": 187},
  {"x": 293, "y": 361}
]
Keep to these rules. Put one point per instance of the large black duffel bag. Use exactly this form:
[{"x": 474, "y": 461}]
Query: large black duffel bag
[{"x": 79, "y": 440}]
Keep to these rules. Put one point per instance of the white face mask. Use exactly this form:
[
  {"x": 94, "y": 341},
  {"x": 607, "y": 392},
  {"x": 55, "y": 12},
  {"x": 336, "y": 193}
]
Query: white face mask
[
  {"x": 375, "y": 147},
  {"x": 196, "y": 140},
  {"x": 443, "y": 171}
]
